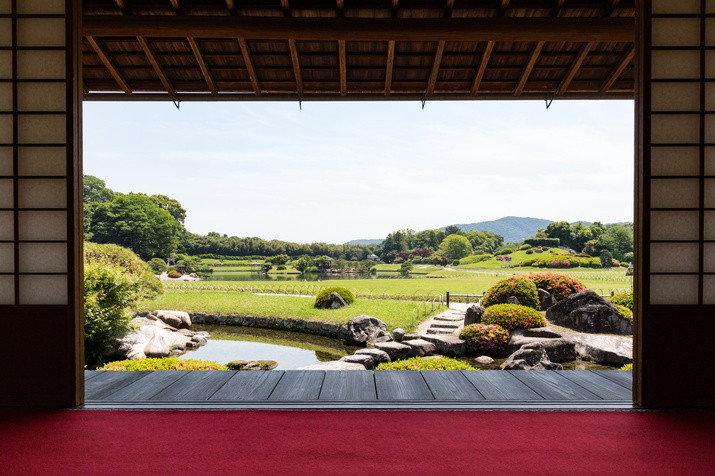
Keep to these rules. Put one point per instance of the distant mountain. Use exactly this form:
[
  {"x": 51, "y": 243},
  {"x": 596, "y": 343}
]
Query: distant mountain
[
  {"x": 365, "y": 242},
  {"x": 511, "y": 228}
]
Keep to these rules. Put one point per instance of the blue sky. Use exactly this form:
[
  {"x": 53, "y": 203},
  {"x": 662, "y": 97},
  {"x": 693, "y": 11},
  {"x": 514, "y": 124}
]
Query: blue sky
[{"x": 340, "y": 171}]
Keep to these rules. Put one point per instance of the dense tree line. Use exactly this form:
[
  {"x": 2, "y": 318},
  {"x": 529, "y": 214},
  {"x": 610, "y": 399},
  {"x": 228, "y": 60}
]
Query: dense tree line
[
  {"x": 593, "y": 239},
  {"x": 405, "y": 244}
]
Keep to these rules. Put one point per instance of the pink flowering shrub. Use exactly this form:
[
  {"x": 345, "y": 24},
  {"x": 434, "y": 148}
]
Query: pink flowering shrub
[
  {"x": 487, "y": 339},
  {"x": 560, "y": 285},
  {"x": 520, "y": 287},
  {"x": 512, "y": 316}
]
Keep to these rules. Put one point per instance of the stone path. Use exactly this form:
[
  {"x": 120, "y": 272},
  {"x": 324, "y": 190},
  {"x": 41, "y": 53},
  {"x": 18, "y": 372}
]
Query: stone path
[{"x": 448, "y": 322}]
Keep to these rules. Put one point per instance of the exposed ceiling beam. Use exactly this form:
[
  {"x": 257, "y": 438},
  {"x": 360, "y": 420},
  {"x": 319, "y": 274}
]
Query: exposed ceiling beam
[
  {"x": 343, "y": 68},
  {"x": 113, "y": 70},
  {"x": 609, "y": 10},
  {"x": 556, "y": 9},
  {"x": 204, "y": 67},
  {"x": 231, "y": 4},
  {"x": 246, "y": 53},
  {"x": 390, "y": 67},
  {"x": 121, "y": 5},
  {"x": 157, "y": 68},
  {"x": 503, "y": 5},
  {"x": 294, "y": 54},
  {"x": 176, "y": 6},
  {"x": 484, "y": 60},
  {"x": 573, "y": 69},
  {"x": 435, "y": 68},
  {"x": 528, "y": 68},
  {"x": 361, "y": 29},
  {"x": 622, "y": 64}
]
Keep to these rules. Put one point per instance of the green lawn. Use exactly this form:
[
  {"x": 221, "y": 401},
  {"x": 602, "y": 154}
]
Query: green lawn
[
  {"x": 458, "y": 282},
  {"x": 393, "y": 313}
]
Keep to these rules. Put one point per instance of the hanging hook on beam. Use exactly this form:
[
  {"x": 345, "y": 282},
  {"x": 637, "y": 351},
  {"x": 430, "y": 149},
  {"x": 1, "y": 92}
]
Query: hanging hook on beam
[
  {"x": 424, "y": 101},
  {"x": 177, "y": 103},
  {"x": 549, "y": 101}
]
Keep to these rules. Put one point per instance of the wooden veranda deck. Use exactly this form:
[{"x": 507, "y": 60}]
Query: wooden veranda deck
[{"x": 384, "y": 389}]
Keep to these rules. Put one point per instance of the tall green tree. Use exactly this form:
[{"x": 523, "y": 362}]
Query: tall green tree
[
  {"x": 171, "y": 205},
  {"x": 136, "y": 222},
  {"x": 456, "y": 247}
]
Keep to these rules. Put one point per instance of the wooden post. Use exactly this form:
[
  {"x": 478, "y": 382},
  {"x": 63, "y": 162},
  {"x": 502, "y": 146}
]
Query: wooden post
[{"x": 447, "y": 298}]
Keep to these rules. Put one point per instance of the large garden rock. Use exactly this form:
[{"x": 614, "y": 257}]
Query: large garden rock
[
  {"x": 588, "y": 312},
  {"x": 379, "y": 356},
  {"x": 513, "y": 300},
  {"x": 365, "y": 329},
  {"x": 546, "y": 332},
  {"x": 176, "y": 319},
  {"x": 603, "y": 349},
  {"x": 395, "y": 350},
  {"x": 158, "y": 346},
  {"x": 473, "y": 314},
  {"x": 558, "y": 350},
  {"x": 411, "y": 336},
  {"x": 366, "y": 360},
  {"x": 334, "y": 301},
  {"x": 334, "y": 365},
  {"x": 420, "y": 347},
  {"x": 530, "y": 357},
  {"x": 546, "y": 299},
  {"x": 447, "y": 345},
  {"x": 398, "y": 334}
]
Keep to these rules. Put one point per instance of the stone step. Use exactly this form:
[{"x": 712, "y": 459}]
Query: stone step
[
  {"x": 441, "y": 325},
  {"x": 447, "y": 318},
  {"x": 438, "y": 331}
]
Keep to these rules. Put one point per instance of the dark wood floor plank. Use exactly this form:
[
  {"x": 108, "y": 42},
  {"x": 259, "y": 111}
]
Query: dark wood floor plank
[
  {"x": 144, "y": 389},
  {"x": 353, "y": 386},
  {"x": 450, "y": 385},
  {"x": 298, "y": 385},
  {"x": 500, "y": 385},
  {"x": 623, "y": 378},
  {"x": 248, "y": 385},
  {"x": 601, "y": 386},
  {"x": 552, "y": 386},
  {"x": 105, "y": 384},
  {"x": 401, "y": 385},
  {"x": 197, "y": 385},
  {"x": 90, "y": 374}
]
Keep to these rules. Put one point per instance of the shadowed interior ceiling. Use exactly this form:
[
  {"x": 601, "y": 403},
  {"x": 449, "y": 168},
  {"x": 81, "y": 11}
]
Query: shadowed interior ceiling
[{"x": 357, "y": 50}]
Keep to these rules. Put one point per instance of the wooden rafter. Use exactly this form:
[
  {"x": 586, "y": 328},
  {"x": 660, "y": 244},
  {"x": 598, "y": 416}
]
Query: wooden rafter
[
  {"x": 556, "y": 9},
  {"x": 390, "y": 67},
  {"x": 343, "y": 68},
  {"x": 503, "y": 5},
  {"x": 439, "y": 52},
  {"x": 157, "y": 67},
  {"x": 361, "y": 29},
  {"x": 528, "y": 68},
  {"x": 573, "y": 69},
  {"x": 113, "y": 70},
  {"x": 294, "y": 54},
  {"x": 484, "y": 60},
  {"x": 121, "y": 5},
  {"x": 231, "y": 5},
  {"x": 610, "y": 9},
  {"x": 204, "y": 67},
  {"x": 622, "y": 64},
  {"x": 246, "y": 53},
  {"x": 176, "y": 6}
]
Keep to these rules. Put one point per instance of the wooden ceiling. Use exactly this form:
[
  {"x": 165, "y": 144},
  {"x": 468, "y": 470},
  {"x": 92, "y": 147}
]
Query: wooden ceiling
[{"x": 357, "y": 49}]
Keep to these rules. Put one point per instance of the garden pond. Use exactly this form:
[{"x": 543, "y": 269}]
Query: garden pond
[{"x": 293, "y": 350}]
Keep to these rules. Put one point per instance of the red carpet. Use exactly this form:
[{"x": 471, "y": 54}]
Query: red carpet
[{"x": 367, "y": 443}]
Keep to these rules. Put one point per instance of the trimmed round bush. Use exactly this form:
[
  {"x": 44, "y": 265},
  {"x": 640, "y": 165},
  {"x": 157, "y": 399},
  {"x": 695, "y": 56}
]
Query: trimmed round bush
[
  {"x": 512, "y": 316},
  {"x": 323, "y": 295},
  {"x": 163, "y": 363},
  {"x": 173, "y": 274},
  {"x": 624, "y": 298},
  {"x": 560, "y": 285},
  {"x": 624, "y": 312},
  {"x": 520, "y": 287},
  {"x": 485, "y": 338},
  {"x": 418, "y": 363}
]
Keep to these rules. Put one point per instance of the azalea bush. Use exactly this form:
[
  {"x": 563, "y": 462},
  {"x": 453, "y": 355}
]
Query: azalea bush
[
  {"x": 623, "y": 298},
  {"x": 624, "y": 312},
  {"x": 163, "y": 363},
  {"x": 485, "y": 338},
  {"x": 418, "y": 363},
  {"x": 560, "y": 285},
  {"x": 520, "y": 287},
  {"x": 344, "y": 293},
  {"x": 512, "y": 316},
  {"x": 173, "y": 274}
]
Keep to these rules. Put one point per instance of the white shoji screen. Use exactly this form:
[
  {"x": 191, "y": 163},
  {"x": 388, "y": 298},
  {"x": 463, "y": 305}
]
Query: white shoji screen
[{"x": 34, "y": 155}]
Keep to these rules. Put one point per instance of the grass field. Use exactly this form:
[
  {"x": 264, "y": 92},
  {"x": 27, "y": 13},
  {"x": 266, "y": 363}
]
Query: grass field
[{"x": 392, "y": 313}]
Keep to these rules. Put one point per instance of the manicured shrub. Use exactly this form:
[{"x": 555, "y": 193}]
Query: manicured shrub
[
  {"x": 157, "y": 265},
  {"x": 524, "y": 247},
  {"x": 418, "y": 363},
  {"x": 165, "y": 363},
  {"x": 624, "y": 312},
  {"x": 512, "y": 316},
  {"x": 560, "y": 285},
  {"x": 174, "y": 274},
  {"x": 542, "y": 241},
  {"x": 504, "y": 251},
  {"x": 485, "y": 338},
  {"x": 323, "y": 295},
  {"x": 627, "y": 367},
  {"x": 529, "y": 251},
  {"x": 623, "y": 298},
  {"x": 115, "y": 282},
  {"x": 518, "y": 286}
]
